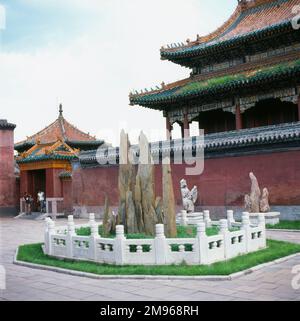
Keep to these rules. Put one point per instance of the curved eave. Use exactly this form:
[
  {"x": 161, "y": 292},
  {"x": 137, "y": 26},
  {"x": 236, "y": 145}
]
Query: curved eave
[
  {"x": 85, "y": 145},
  {"x": 45, "y": 158},
  {"x": 4, "y": 125},
  {"x": 179, "y": 54},
  {"x": 155, "y": 101},
  {"x": 22, "y": 147}
]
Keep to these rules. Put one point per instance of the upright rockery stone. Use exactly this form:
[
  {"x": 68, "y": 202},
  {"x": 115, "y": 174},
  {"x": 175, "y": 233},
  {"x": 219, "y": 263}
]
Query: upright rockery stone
[{"x": 139, "y": 209}]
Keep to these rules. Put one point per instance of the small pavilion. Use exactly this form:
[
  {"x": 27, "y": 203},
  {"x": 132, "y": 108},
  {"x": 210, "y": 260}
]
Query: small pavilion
[{"x": 45, "y": 162}]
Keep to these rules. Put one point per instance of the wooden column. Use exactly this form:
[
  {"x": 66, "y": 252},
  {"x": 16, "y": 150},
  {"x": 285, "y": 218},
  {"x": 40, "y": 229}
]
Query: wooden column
[
  {"x": 186, "y": 126},
  {"x": 299, "y": 107},
  {"x": 238, "y": 117},
  {"x": 168, "y": 129}
]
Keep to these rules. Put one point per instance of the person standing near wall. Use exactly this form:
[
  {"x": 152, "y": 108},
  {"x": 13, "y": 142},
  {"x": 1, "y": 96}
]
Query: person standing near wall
[
  {"x": 41, "y": 200},
  {"x": 28, "y": 201}
]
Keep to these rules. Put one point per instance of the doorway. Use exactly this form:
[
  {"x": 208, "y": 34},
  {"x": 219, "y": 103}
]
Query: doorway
[{"x": 37, "y": 183}]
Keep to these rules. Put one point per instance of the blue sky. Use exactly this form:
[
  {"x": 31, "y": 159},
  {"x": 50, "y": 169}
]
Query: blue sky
[
  {"x": 32, "y": 24},
  {"x": 88, "y": 54}
]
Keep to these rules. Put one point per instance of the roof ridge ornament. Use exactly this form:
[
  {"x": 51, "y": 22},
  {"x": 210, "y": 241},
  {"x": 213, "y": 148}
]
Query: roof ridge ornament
[
  {"x": 243, "y": 4},
  {"x": 60, "y": 110},
  {"x": 246, "y": 4}
]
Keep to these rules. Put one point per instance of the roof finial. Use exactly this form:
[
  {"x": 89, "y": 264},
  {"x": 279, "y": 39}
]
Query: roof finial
[
  {"x": 243, "y": 4},
  {"x": 60, "y": 110}
]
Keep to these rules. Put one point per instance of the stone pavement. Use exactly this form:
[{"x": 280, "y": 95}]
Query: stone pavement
[
  {"x": 270, "y": 283},
  {"x": 293, "y": 237}
]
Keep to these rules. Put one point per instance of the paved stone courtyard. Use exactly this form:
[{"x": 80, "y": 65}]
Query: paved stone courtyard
[{"x": 270, "y": 283}]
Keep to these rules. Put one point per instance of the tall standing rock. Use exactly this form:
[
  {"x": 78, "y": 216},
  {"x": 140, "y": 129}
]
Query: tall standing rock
[
  {"x": 138, "y": 206},
  {"x": 106, "y": 227},
  {"x": 159, "y": 210},
  {"x": 126, "y": 181},
  {"x": 255, "y": 194},
  {"x": 109, "y": 219},
  {"x": 131, "y": 222},
  {"x": 264, "y": 202},
  {"x": 145, "y": 186},
  {"x": 169, "y": 200},
  {"x": 139, "y": 209}
]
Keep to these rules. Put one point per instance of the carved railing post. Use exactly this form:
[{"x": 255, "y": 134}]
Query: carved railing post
[
  {"x": 184, "y": 219},
  {"x": 227, "y": 240},
  {"x": 94, "y": 236},
  {"x": 207, "y": 219},
  {"x": 262, "y": 225},
  {"x": 46, "y": 234},
  {"x": 230, "y": 218},
  {"x": 247, "y": 228},
  {"x": 160, "y": 245},
  {"x": 202, "y": 243},
  {"x": 70, "y": 234},
  {"x": 51, "y": 231},
  {"x": 119, "y": 245}
]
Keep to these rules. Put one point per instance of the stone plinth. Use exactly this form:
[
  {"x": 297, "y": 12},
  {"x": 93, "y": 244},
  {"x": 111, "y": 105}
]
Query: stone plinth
[
  {"x": 185, "y": 218},
  {"x": 271, "y": 218}
]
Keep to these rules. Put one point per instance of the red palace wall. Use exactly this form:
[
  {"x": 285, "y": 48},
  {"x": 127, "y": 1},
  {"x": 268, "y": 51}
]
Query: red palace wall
[
  {"x": 8, "y": 183},
  {"x": 224, "y": 181},
  {"x": 53, "y": 183},
  {"x": 91, "y": 184}
]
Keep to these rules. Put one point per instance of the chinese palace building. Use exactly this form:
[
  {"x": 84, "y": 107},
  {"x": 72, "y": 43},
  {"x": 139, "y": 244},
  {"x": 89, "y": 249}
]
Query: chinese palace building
[
  {"x": 244, "y": 91},
  {"x": 45, "y": 162}
]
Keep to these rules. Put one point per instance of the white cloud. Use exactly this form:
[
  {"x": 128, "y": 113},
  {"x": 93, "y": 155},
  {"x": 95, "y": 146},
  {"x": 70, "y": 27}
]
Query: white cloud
[
  {"x": 93, "y": 74},
  {"x": 81, "y": 4}
]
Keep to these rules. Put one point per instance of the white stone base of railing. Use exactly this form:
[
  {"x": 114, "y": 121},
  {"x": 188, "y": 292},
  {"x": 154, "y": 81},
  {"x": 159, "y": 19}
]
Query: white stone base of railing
[
  {"x": 185, "y": 219},
  {"x": 203, "y": 249},
  {"x": 52, "y": 206},
  {"x": 272, "y": 218}
]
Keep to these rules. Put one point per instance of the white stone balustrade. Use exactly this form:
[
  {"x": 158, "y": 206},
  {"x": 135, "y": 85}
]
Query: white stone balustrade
[
  {"x": 185, "y": 219},
  {"x": 160, "y": 250},
  {"x": 207, "y": 219},
  {"x": 230, "y": 218}
]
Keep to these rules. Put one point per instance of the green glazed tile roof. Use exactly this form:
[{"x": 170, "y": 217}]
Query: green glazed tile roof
[
  {"x": 219, "y": 84},
  {"x": 246, "y": 25},
  {"x": 33, "y": 158}
]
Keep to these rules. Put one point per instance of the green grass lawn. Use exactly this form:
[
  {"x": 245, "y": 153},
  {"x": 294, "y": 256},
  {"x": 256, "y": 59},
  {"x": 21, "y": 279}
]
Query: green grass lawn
[
  {"x": 286, "y": 225},
  {"x": 182, "y": 232},
  {"x": 33, "y": 253}
]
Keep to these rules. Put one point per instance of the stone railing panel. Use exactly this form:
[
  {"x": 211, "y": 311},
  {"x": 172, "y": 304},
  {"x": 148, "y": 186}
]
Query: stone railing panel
[
  {"x": 64, "y": 243},
  {"x": 140, "y": 251},
  {"x": 105, "y": 250},
  {"x": 59, "y": 245},
  {"x": 215, "y": 248},
  {"x": 81, "y": 247},
  {"x": 184, "y": 250}
]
